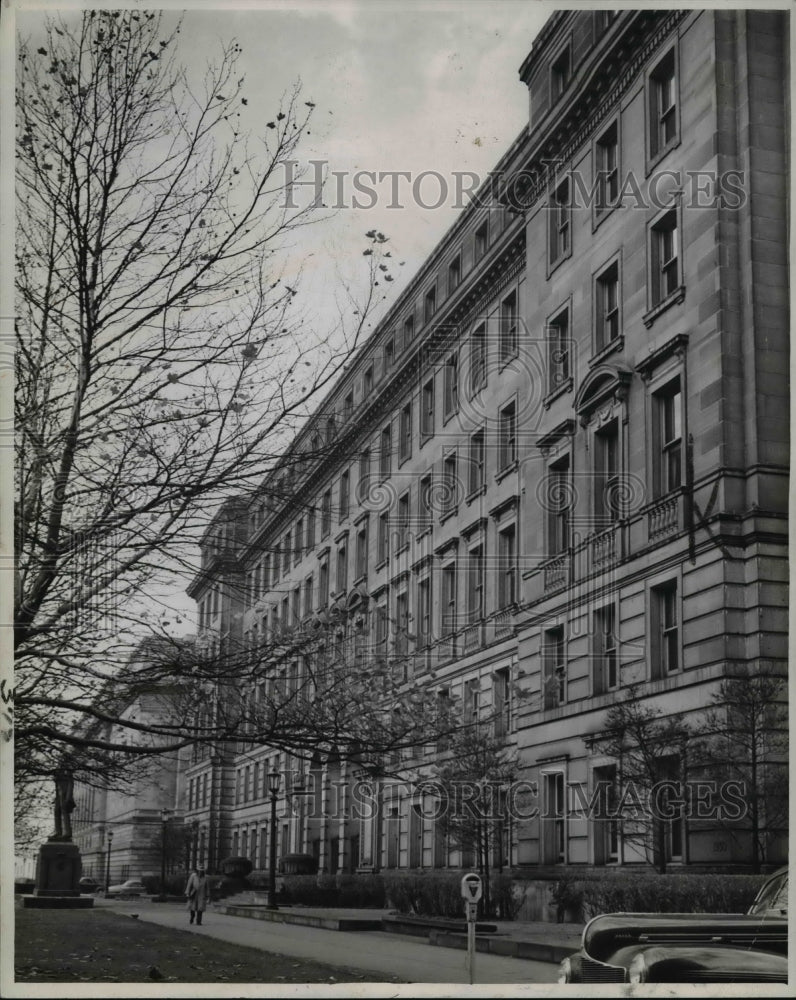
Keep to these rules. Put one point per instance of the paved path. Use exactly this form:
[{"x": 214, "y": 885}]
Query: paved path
[{"x": 385, "y": 955}]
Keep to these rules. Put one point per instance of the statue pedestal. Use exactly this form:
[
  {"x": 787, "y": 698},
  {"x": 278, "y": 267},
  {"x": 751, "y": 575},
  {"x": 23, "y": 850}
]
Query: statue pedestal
[{"x": 58, "y": 871}]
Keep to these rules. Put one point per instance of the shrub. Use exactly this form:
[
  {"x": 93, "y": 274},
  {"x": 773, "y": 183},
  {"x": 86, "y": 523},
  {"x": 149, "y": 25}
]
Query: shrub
[
  {"x": 237, "y": 867},
  {"x": 360, "y": 890},
  {"x": 646, "y": 892}
]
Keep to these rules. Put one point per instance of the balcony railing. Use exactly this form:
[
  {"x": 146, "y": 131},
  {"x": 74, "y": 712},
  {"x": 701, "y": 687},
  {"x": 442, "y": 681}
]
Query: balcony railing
[
  {"x": 604, "y": 547},
  {"x": 473, "y": 638},
  {"x": 504, "y": 624},
  {"x": 663, "y": 517},
  {"x": 556, "y": 573}
]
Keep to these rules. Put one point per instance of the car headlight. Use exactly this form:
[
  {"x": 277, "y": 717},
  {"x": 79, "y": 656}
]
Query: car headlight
[
  {"x": 565, "y": 971},
  {"x": 637, "y": 970}
]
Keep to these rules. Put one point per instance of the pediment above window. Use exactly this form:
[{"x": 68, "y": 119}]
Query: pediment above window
[{"x": 605, "y": 384}]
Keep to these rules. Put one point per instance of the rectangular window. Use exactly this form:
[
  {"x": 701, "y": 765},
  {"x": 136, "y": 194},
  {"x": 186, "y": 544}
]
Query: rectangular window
[
  {"x": 663, "y": 106},
  {"x": 382, "y": 622},
  {"x": 362, "y": 551},
  {"x": 342, "y": 567},
  {"x": 345, "y": 495},
  {"x": 427, "y": 410},
  {"x": 481, "y": 240},
  {"x": 364, "y": 475},
  {"x": 367, "y": 382},
  {"x": 326, "y": 513},
  {"x": 389, "y": 354},
  {"x": 559, "y": 507},
  {"x": 383, "y": 538},
  {"x": 425, "y": 513},
  {"x": 286, "y": 555},
  {"x": 451, "y": 397},
  {"x": 331, "y": 429},
  {"x": 348, "y": 406},
  {"x": 607, "y": 168},
  {"x": 606, "y": 828},
  {"x": 475, "y": 584},
  {"x": 507, "y": 566},
  {"x": 323, "y": 583},
  {"x": 449, "y": 492},
  {"x": 405, "y": 432},
  {"x": 502, "y": 702},
  {"x": 553, "y": 658},
  {"x": 454, "y": 273},
  {"x": 298, "y": 535},
  {"x": 508, "y": 327},
  {"x": 478, "y": 358},
  {"x": 409, "y": 330},
  {"x": 472, "y": 701},
  {"x": 664, "y": 258},
  {"x": 448, "y": 602},
  {"x": 424, "y": 611},
  {"x": 285, "y": 618},
  {"x": 401, "y": 623},
  {"x": 385, "y": 451},
  {"x": 430, "y": 304},
  {"x": 477, "y": 471},
  {"x": 669, "y": 439},
  {"x": 606, "y": 306},
  {"x": 404, "y": 511},
  {"x": 560, "y": 220},
  {"x": 607, "y": 494},
  {"x": 666, "y": 630},
  {"x": 558, "y": 343},
  {"x": 606, "y": 659},
  {"x": 560, "y": 73},
  {"x": 308, "y": 589},
  {"x": 507, "y": 445},
  {"x": 310, "y": 531}
]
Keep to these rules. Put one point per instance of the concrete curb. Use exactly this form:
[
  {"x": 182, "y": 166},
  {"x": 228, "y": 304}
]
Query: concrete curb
[
  {"x": 261, "y": 912},
  {"x": 537, "y": 951}
]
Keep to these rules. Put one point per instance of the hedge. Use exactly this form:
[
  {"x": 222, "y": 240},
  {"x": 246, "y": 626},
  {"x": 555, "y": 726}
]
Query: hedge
[
  {"x": 584, "y": 897},
  {"x": 438, "y": 894},
  {"x": 364, "y": 891}
]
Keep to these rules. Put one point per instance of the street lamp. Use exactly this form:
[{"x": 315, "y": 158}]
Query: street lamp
[
  {"x": 164, "y": 816},
  {"x": 108, "y": 861},
  {"x": 273, "y": 787}
]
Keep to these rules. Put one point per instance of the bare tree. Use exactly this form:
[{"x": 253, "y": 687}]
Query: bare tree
[
  {"x": 162, "y": 360},
  {"x": 743, "y": 738},
  {"x": 650, "y": 751}
]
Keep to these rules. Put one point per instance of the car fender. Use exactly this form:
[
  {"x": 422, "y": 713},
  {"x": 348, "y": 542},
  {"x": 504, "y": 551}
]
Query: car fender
[{"x": 705, "y": 963}]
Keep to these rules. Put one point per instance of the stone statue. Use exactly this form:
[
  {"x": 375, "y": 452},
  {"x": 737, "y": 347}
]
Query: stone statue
[{"x": 64, "y": 803}]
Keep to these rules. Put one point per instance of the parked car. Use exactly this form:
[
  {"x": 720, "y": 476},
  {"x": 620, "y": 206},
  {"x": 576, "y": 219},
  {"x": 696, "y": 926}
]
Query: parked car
[
  {"x": 132, "y": 887},
  {"x": 688, "y": 947},
  {"x": 88, "y": 884}
]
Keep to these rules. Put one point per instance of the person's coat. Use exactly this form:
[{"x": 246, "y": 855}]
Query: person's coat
[{"x": 198, "y": 892}]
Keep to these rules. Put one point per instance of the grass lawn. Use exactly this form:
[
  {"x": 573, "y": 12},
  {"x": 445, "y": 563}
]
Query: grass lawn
[{"x": 101, "y": 946}]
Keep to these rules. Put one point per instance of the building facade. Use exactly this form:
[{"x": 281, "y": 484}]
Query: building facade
[{"x": 557, "y": 471}]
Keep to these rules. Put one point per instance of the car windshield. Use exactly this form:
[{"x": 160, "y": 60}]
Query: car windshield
[{"x": 773, "y": 896}]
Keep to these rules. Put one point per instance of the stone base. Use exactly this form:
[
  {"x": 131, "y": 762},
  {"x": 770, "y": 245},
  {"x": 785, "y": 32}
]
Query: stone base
[
  {"x": 58, "y": 870},
  {"x": 58, "y": 902}
]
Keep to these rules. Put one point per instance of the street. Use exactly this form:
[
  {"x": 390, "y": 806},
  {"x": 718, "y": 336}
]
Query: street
[{"x": 386, "y": 955}]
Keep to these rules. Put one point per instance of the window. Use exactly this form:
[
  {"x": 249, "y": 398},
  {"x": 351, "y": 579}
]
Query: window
[
  {"x": 451, "y": 399},
  {"x": 425, "y": 511},
  {"x": 389, "y": 354},
  {"x": 385, "y": 450},
  {"x": 364, "y": 475},
  {"x": 606, "y": 155},
  {"x": 508, "y": 327},
  {"x": 662, "y": 92},
  {"x": 472, "y": 701},
  {"x": 285, "y": 612},
  {"x": 668, "y": 475},
  {"x": 310, "y": 530},
  {"x": 478, "y": 356},
  {"x": 382, "y": 623},
  {"x": 481, "y": 240},
  {"x": 559, "y": 507},
  {"x": 560, "y": 217},
  {"x": 427, "y": 409},
  {"x": 477, "y": 470},
  {"x": 405, "y": 432},
  {"x": 308, "y": 588},
  {"x": 345, "y": 495},
  {"x": 342, "y": 567},
  {"x": 560, "y": 73},
  {"x": 430, "y": 304},
  {"x": 362, "y": 551},
  {"x": 607, "y": 494},
  {"x": 326, "y": 513},
  {"x": 606, "y": 660},
  {"x": 606, "y": 306},
  {"x": 665, "y": 630},
  {"x": 323, "y": 583},
  {"x": 409, "y": 330},
  {"x": 402, "y": 623},
  {"x": 507, "y": 566},
  {"x": 507, "y": 444},
  {"x": 286, "y": 555},
  {"x": 296, "y": 605},
  {"x": 664, "y": 258},
  {"x": 383, "y": 538},
  {"x": 298, "y": 535},
  {"x": 553, "y": 658},
  {"x": 367, "y": 383},
  {"x": 475, "y": 584},
  {"x": 606, "y": 827},
  {"x": 454, "y": 273},
  {"x": 331, "y": 429},
  {"x": 424, "y": 611},
  {"x": 602, "y": 20},
  {"x": 501, "y": 701},
  {"x": 448, "y": 602},
  {"x": 449, "y": 494},
  {"x": 558, "y": 342},
  {"x": 404, "y": 509},
  {"x": 348, "y": 406}
]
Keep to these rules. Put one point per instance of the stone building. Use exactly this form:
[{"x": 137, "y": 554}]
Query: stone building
[{"x": 558, "y": 468}]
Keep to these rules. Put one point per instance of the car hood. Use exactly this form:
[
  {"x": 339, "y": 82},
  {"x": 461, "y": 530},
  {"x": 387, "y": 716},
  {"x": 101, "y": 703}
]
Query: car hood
[{"x": 604, "y": 935}]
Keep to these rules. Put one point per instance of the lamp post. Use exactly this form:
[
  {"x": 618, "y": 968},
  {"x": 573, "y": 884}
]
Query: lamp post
[
  {"x": 164, "y": 816},
  {"x": 273, "y": 788},
  {"x": 108, "y": 861}
]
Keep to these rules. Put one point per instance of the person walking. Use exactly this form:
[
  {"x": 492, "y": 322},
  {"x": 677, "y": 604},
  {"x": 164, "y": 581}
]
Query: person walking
[{"x": 197, "y": 892}]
